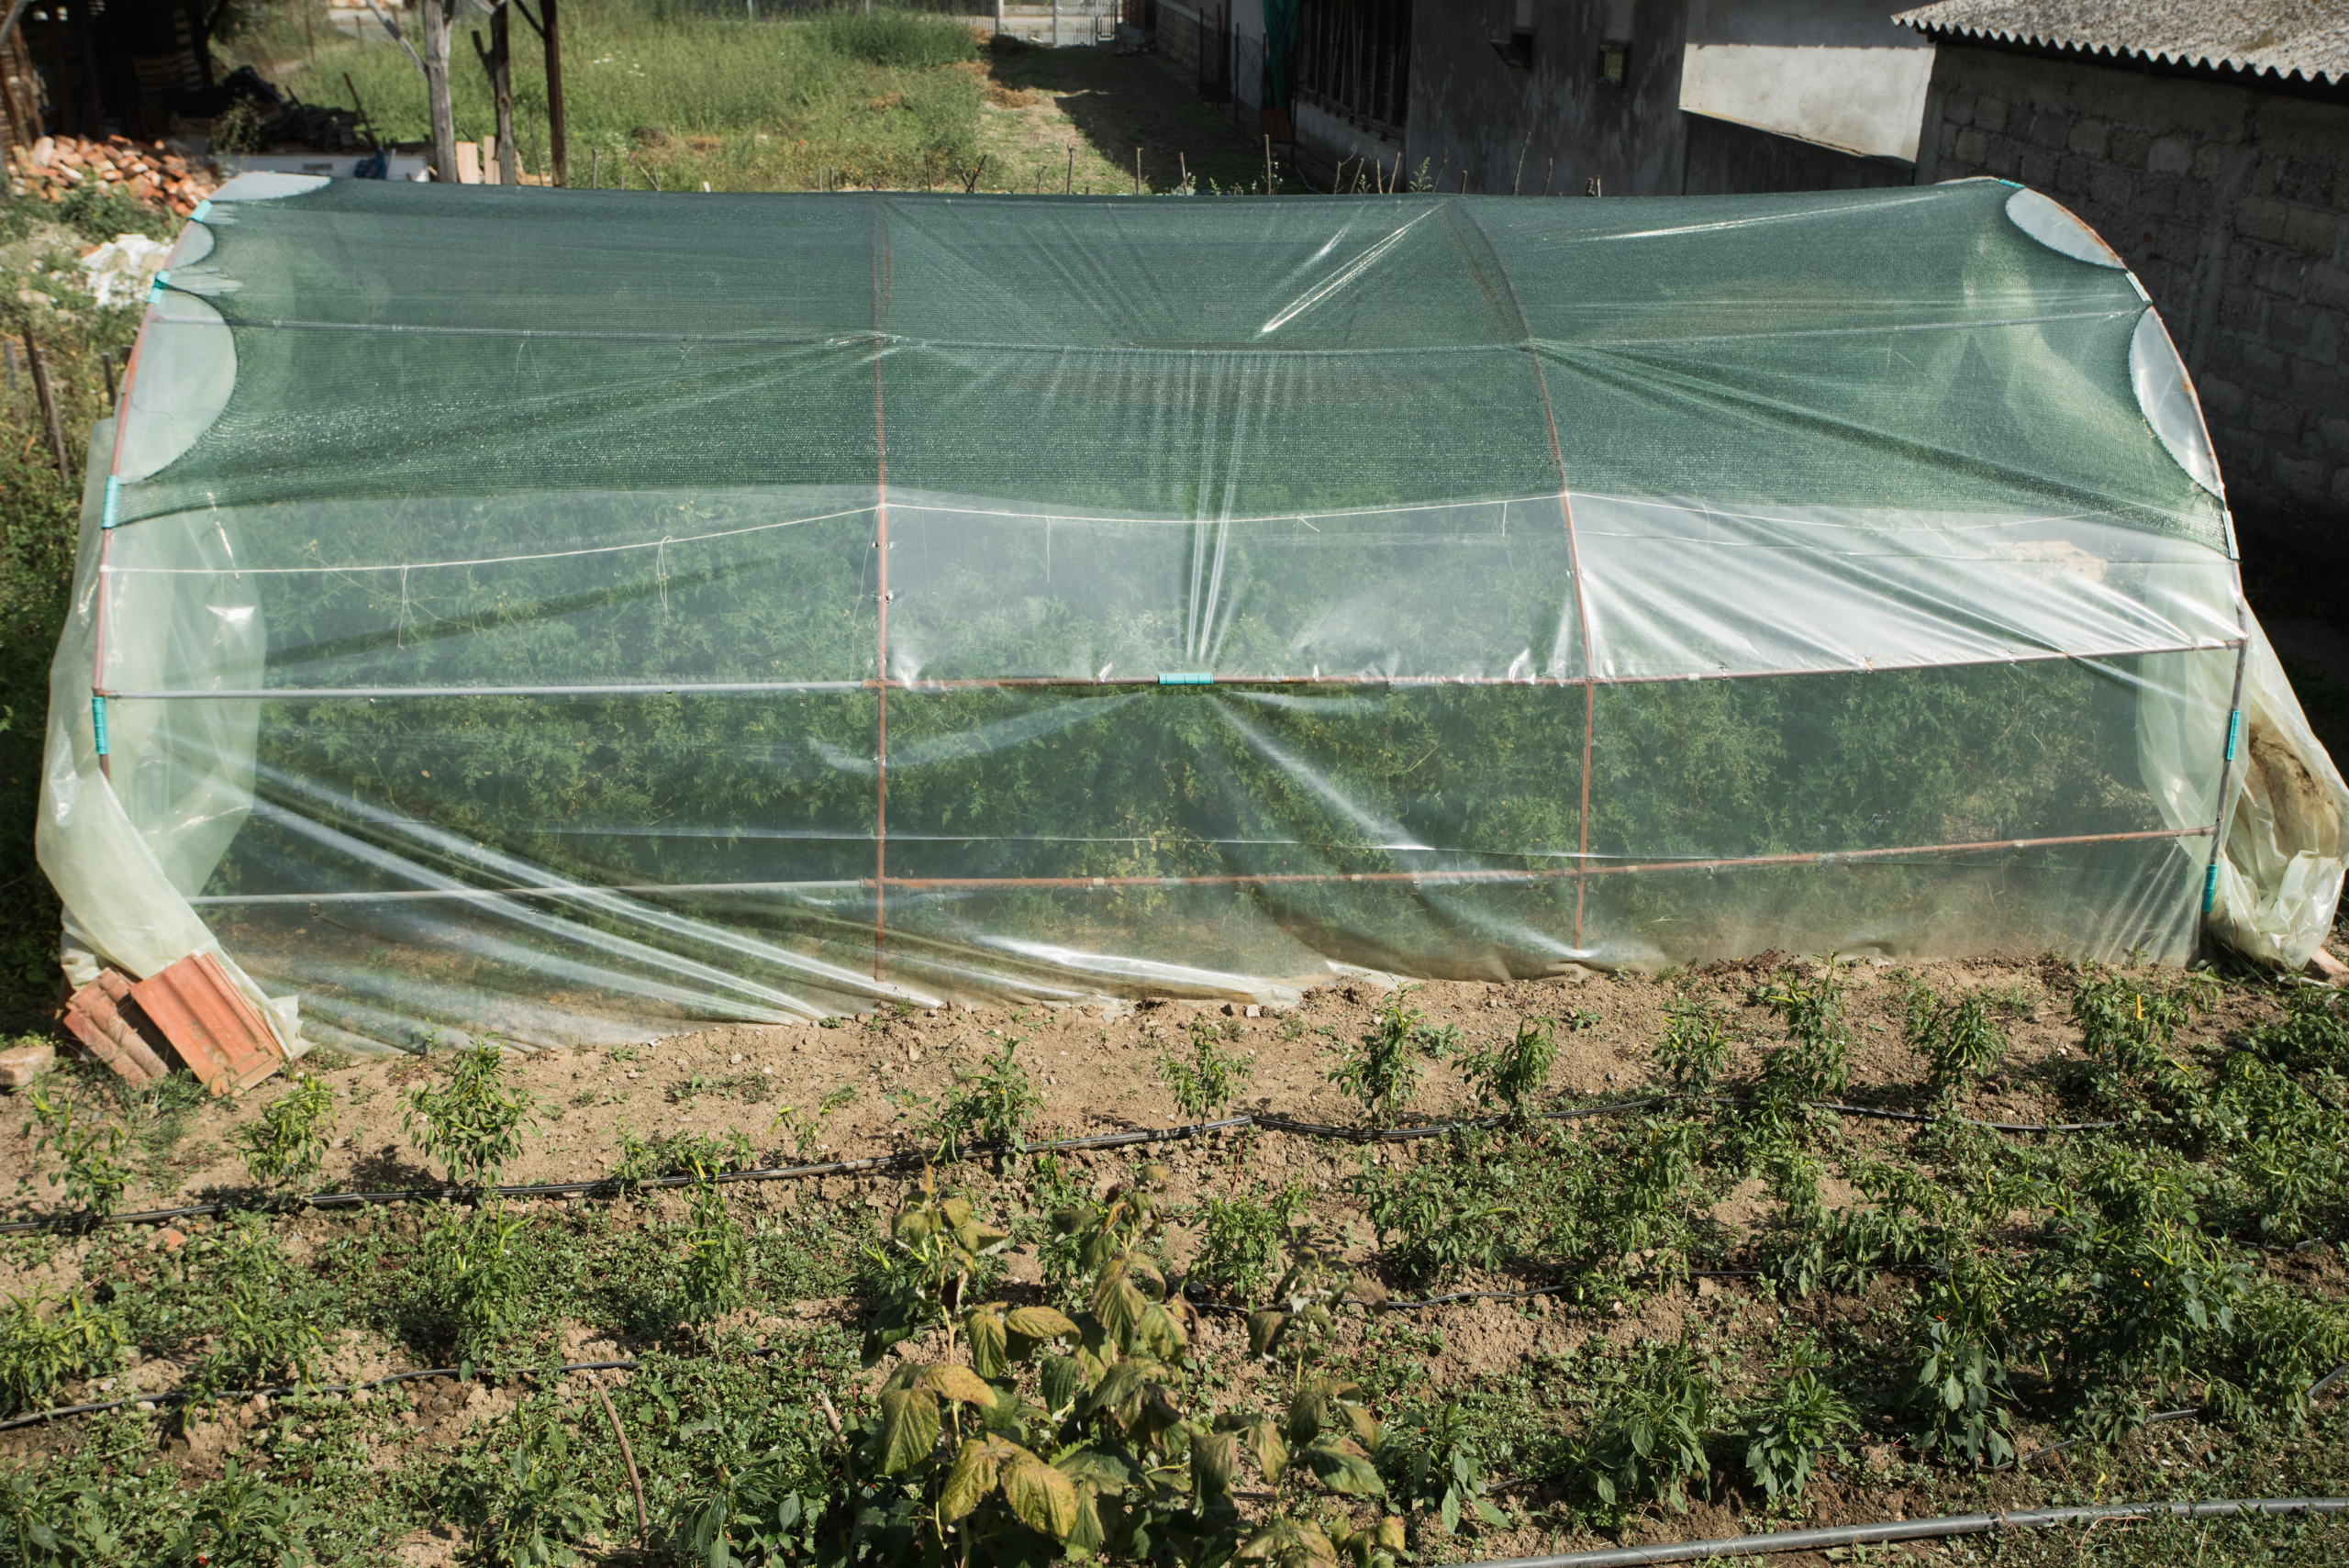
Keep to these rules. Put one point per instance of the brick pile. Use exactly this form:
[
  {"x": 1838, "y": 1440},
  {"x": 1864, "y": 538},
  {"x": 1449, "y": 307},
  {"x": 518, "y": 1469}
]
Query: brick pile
[{"x": 57, "y": 164}]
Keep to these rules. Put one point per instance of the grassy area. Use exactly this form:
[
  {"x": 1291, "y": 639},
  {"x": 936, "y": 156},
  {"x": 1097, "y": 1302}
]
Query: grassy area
[
  {"x": 841, "y": 1371},
  {"x": 684, "y": 95}
]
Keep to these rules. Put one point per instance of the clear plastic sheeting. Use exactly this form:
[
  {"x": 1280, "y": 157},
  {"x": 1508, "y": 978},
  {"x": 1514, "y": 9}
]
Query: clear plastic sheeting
[{"x": 753, "y": 607}]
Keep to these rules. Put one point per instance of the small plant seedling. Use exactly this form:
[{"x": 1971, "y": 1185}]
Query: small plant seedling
[
  {"x": 1511, "y": 1076},
  {"x": 476, "y": 1123},
  {"x": 1204, "y": 1085},
  {"x": 806, "y": 1128},
  {"x": 285, "y": 1145},
  {"x": 91, "y": 1171},
  {"x": 1382, "y": 1070}
]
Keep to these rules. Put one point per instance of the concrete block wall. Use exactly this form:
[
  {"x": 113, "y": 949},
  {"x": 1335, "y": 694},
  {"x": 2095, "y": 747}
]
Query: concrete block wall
[{"x": 2228, "y": 202}]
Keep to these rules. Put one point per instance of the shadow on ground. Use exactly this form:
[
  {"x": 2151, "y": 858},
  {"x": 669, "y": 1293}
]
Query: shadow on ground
[{"x": 1115, "y": 105}]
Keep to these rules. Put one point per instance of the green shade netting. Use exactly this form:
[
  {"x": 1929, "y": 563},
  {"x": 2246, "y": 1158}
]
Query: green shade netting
[{"x": 570, "y": 615}]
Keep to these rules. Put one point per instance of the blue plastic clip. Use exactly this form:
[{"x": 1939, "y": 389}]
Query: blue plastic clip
[
  {"x": 1182, "y": 680},
  {"x": 99, "y": 720},
  {"x": 203, "y": 210},
  {"x": 2234, "y": 733},
  {"x": 155, "y": 290},
  {"x": 2209, "y": 888},
  {"x": 114, "y": 501}
]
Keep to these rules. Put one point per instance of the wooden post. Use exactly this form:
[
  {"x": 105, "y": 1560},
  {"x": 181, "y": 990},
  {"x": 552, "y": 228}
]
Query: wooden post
[
  {"x": 498, "y": 60},
  {"x": 438, "y": 15},
  {"x": 48, "y": 399},
  {"x": 550, "y": 31},
  {"x": 561, "y": 145}
]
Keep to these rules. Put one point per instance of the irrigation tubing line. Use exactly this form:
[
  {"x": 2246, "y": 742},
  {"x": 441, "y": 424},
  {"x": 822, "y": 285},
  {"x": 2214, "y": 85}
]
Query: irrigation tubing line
[
  {"x": 622, "y": 1186},
  {"x": 1831, "y": 1537}
]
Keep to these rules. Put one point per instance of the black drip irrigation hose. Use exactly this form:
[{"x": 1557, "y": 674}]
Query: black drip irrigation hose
[
  {"x": 1831, "y": 1537},
  {"x": 619, "y": 1186}
]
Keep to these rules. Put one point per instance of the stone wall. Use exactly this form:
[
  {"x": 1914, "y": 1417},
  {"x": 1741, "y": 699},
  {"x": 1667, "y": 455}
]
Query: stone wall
[{"x": 2227, "y": 202}]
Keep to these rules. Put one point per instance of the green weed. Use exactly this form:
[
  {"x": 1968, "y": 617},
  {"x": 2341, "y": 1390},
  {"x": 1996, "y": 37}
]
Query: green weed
[
  {"x": 45, "y": 1341},
  {"x": 91, "y": 1170}
]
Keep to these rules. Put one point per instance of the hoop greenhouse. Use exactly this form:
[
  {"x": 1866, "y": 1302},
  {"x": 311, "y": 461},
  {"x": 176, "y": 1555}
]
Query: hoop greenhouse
[{"x": 568, "y": 616}]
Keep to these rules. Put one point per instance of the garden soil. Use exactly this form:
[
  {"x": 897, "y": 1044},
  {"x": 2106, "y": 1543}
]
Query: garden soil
[{"x": 1096, "y": 1069}]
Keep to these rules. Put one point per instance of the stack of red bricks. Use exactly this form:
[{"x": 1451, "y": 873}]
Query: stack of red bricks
[{"x": 57, "y": 164}]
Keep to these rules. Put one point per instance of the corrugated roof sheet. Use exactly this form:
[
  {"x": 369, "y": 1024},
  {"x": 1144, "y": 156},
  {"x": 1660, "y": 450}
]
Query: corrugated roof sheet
[{"x": 2308, "y": 39}]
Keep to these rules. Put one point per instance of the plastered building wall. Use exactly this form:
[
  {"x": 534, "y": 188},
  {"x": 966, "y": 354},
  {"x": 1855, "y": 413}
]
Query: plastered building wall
[
  {"x": 2227, "y": 202},
  {"x": 1473, "y": 112}
]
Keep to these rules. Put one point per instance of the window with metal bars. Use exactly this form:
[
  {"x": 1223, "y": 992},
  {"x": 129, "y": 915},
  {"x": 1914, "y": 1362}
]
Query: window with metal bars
[{"x": 1354, "y": 58}]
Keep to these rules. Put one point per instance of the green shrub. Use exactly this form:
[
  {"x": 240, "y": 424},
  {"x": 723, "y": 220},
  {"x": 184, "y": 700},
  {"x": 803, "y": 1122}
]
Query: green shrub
[
  {"x": 1647, "y": 1436},
  {"x": 1205, "y": 1085},
  {"x": 712, "y": 1279},
  {"x": 2126, "y": 1025},
  {"x": 476, "y": 1261},
  {"x": 532, "y": 1510},
  {"x": 1696, "y": 1045},
  {"x": 1383, "y": 1068},
  {"x": 1239, "y": 1240},
  {"x": 287, "y": 1143},
  {"x": 1961, "y": 1399},
  {"x": 1511, "y": 1077},
  {"x": 1447, "y": 1212},
  {"x": 476, "y": 1123},
  {"x": 1959, "y": 1040},
  {"x": 245, "y": 1519},
  {"x": 1816, "y": 1061},
  {"x": 1798, "y": 1423},
  {"x": 996, "y": 1106}
]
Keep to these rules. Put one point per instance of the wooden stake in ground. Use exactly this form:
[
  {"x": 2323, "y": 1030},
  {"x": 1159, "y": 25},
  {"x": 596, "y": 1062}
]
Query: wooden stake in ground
[
  {"x": 627, "y": 1453},
  {"x": 1069, "y": 189},
  {"x": 1137, "y": 171},
  {"x": 498, "y": 60},
  {"x": 549, "y": 33},
  {"x": 438, "y": 15},
  {"x": 39, "y": 362},
  {"x": 1268, "y": 164}
]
